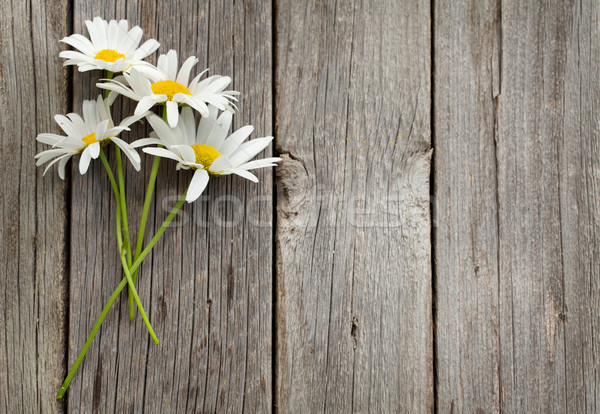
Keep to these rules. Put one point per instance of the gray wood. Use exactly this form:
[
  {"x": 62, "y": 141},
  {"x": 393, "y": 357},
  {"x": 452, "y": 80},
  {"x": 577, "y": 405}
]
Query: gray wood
[
  {"x": 521, "y": 337},
  {"x": 208, "y": 286},
  {"x": 467, "y": 87},
  {"x": 548, "y": 197},
  {"x": 33, "y": 276},
  {"x": 354, "y": 299},
  {"x": 579, "y": 171},
  {"x": 516, "y": 234}
]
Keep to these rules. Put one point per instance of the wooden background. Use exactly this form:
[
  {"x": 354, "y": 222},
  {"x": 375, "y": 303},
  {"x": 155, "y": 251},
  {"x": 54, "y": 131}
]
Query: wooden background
[{"x": 366, "y": 273}]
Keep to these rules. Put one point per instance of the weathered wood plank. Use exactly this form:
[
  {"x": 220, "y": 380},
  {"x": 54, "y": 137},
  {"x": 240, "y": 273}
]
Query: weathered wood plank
[
  {"x": 548, "y": 198},
  {"x": 544, "y": 310},
  {"x": 33, "y": 274},
  {"x": 208, "y": 287},
  {"x": 467, "y": 76},
  {"x": 579, "y": 162},
  {"x": 354, "y": 328}
]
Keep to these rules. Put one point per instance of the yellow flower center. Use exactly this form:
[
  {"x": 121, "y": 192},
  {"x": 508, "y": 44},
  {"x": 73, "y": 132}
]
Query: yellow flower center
[
  {"x": 109, "y": 55},
  {"x": 89, "y": 139},
  {"x": 169, "y": 88},
  {"x": 205, "y": 154}
]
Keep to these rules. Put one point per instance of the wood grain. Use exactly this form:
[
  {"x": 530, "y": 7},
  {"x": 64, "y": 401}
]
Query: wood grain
[
  {"x": 520, "y": 337},
  {"x": 467, "y": 87},
  {"x": 579, "y": 170},
  {"x": 548, "y": 193},
  {"x": 208, "y": 286},
  {"x": 354, "y": 299},
  {"x": 33, "y": 274},
  {"x": 516, "y": 233}
]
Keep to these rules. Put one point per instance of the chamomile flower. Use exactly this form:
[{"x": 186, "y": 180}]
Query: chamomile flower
[
  {"x": 172, "y": 86},
  {"x": 207, "y": 149},
  {"x": 85, "y": 136},
  {"x": 112, "y": 47}
]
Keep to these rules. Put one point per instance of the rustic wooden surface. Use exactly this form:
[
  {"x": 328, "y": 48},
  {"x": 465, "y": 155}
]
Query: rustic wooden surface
[
  {"x": 354, "y": 328},
  {"x": 548, "y": 197},
  {"x": 212, "y": 313},
  {"x": 349, "y": 298},
  {"x": 465, "y": 216},
  {"x": 34, "y": 214},
  {"x": 516, "y": 190}
]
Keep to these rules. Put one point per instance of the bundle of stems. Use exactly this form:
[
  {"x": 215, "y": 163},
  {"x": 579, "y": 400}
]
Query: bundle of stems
[{"x": 130, "y": 259}]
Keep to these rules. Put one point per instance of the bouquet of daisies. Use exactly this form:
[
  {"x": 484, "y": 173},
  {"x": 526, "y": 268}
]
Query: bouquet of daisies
[{"x": 192, "y": 130}]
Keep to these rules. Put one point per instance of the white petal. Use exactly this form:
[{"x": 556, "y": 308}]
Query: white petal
[
  {"x": 197, "y": 104},
  {"x": 245, "y": 174},
  {"x": 50, "y": 139},
  {"x": 172, "y": 113},
  {"x": 118, "y": 88},
  {"x": 133, "y": 119},
  {"x": 197, "y": 185},
  {"x": 145, "y": 141},
  {"x": 130, "y": 39},
  {"x": 103, "y": 109},
  {"x": 184, "y": 73},
  {"x": 114, "y": 131},
  {"x": 74, "y": 56},
  {"x": 144, "y": 104},
  {"x": 265, "y": 162},
  {"x": 133, "y": 156},
  {"x": 146, "y": 49},
  {"x": 235, "y": 140},
  {"x": 78, "y": 124},
  {"x": 62, "y": 157},
  {"x": 84, "y": 161},
  {"x": 196, "y": 79},
  {"x": 47, "y": 155},
  {"x": 94, "y": 150},
  {"x": 82, "y": 43},
  {"x": 224, "y": 120},
  {"x": 172, "y": 64},
  {"x": 163, "y": 131},
  {"x": 187, "y": 153},
  {"x": 220, "y": 164},
  {"x": 250, "y": 150},
  {"x": 187, "y": 124},
  {"x": 101, "y": 128},
  {"x": 161, "y": 152},
  {"x": 66, "y": 125},
  {"x": 97, "y": 41},
  {"x": 61, "y": 166},
  {"x": 162, "y": 65},
  {"x": 90, "y": 115}
]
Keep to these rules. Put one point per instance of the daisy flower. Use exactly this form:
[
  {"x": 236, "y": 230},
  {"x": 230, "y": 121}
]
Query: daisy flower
[
  {"x": 112, "y": 47},
  {"x": 207, "y": 149},
  {"x": 172, "y": 86},
  {"x": 85, "y": 136}
]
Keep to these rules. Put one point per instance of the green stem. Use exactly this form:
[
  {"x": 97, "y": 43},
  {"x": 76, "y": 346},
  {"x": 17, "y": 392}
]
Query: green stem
[
  {"x": 144, "y": 219},
  {"x": 125, "y": 220},
  {"x": 111, "y": 176},
  {"x": 121, "y": 250},
  {"x": 109, "y": 75},
  {"x": 158, "y": 234},
  {"x": 130, "y": 281},
  {"x": 90, "y": 339},
  {"x": 121, "y": 286},
  {"x": 142, "y": 229},
  {"x": 123, "y": 204}
]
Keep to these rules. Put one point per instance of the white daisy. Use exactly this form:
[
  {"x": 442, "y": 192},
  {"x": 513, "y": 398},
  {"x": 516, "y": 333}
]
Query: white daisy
[
  {"x": 207, "y": 149},
  {"x": 112, "y": 47},
  {"x": 84, "y": 136},
  {"x": 170, "y": 86}
]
